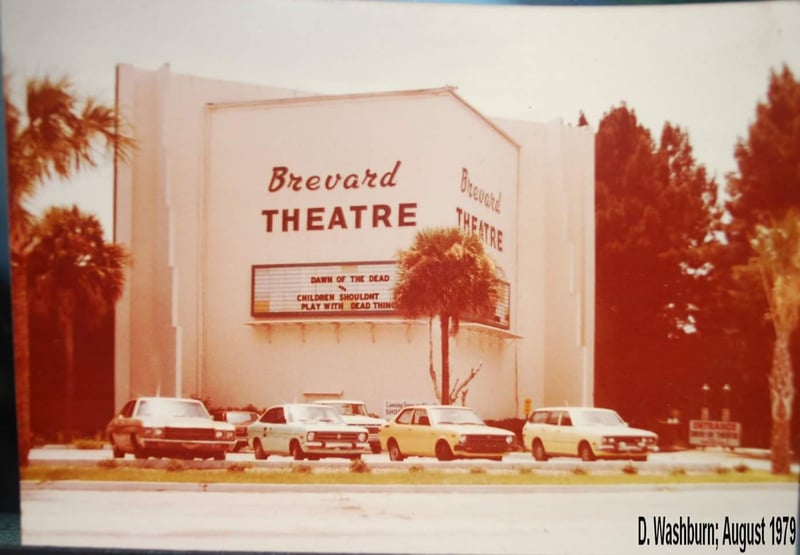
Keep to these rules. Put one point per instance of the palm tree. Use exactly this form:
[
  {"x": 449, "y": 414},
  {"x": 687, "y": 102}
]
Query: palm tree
[
  {"x": 76, "y": 275},
  {"x": 446, "y": 274},
  {"x": 53, "y": 137},
  {"x": 777, "y": 261}
]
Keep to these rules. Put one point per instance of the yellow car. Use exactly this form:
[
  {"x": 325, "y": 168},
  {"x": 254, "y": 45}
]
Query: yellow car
[
  {"x": 585, "y": 432},
  {"x": 443, "y": 431}
]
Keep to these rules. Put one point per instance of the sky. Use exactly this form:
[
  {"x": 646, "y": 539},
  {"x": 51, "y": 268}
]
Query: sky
[{"x": 703, "y": 67}]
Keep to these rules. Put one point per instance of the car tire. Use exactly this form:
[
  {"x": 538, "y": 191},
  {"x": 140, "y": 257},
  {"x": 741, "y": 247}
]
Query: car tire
[
  {"x": 585, "y": 452},
  {"x": 394, "y": 451},
  {"x": 296, "y": 451},
  {"x": 537, "y": 450},
  {"x": 375, "y": 448},
  {"x": 258, "y": 451},
  {"x": 443, "y": 451},
  {"x": 117, "y": 452}
]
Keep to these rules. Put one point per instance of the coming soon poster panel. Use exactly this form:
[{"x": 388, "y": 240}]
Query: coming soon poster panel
[{"x": 306, "y": 203}]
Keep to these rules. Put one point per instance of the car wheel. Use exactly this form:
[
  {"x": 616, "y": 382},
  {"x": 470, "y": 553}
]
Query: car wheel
[
  {"x": 585, "y": 452},
  {"x": 394, "y": 451},
  {"x": 443, "y": 451},
  {"x": 259, "y": 451},
  {"x": 118, "y": 453},
  {"x": 537, "y": 450},
  {"x": 375, "y": 447},
  {"x": 296, "y": 451}
]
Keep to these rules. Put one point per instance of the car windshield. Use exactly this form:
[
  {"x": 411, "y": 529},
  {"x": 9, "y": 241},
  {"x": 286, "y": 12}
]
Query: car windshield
[
  {"x": 597, "y": 418},
  {"x": 240, "y": 417},
  {"x": 172, "y": 408},
  {"x": 351, "y": 409},
  {"x": 313, "y": 413},
  {"x": 453, "y": 415}
]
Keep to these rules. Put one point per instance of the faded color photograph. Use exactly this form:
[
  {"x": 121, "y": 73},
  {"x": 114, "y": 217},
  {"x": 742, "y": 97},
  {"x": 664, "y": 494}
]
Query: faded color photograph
[{"x": 405, "y": 277}]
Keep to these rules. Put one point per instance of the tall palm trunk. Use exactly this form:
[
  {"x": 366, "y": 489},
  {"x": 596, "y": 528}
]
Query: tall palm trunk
[
  {"x": 781, "y": 391},
  {"x": 444, "y": 325},
  {"x": 22, "y": 376},
  {"x": 68, "y": 329}
]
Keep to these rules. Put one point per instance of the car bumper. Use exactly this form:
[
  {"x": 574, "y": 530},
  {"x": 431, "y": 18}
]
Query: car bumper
[
  {"x": 336, "y": 447},
  {"x": 616, "y": 451},
  {"x": 186, "y": 446},
  {"x": 462, "y": 451}
]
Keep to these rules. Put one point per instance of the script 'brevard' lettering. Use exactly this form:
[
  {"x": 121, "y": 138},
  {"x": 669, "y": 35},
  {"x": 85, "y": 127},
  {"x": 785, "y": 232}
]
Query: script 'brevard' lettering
[
  {"x": 283, "y": 178},
  {"x": 479, "y": 195}
]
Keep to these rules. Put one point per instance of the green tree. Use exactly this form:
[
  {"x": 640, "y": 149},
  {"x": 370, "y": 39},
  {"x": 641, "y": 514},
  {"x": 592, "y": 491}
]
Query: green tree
[
  {"x": 54, "y": 136},
  {"x": 765, "y": 196},
  {"x": 655, "y": 216},
  {"x": 445, "y": 273},
  {"x": 75, "y": 275}
]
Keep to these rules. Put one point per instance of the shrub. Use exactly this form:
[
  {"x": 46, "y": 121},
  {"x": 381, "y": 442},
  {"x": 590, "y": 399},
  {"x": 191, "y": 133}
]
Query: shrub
[
  {"x": 302, "y": 469},
  {"x": 174, "y": 465},
  {"x": 722, "y": 470},
  {"x": 477, "y": 470},
  {"x": 580, "y": 471},
  {"x": 84, "y": 443},
  {"x": 741, "y": 468},
  {"x": 108, "y": 464},
  {"x": 359, "y": 466},
  {"x": 630, "y": 468},
  {"x": 415, "y": 468},
  {"x": 525, "y": 470},
  {"x": 237, "y": 467},
  {"x": 678, "y": 471}
]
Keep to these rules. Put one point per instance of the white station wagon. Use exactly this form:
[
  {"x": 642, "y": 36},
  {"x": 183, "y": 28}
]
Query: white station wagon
[{"x": 585, "y": 432}]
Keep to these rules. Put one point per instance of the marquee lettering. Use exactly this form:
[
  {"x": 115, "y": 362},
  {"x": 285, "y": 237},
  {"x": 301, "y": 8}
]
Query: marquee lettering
[{"x": 490, "y": 235}]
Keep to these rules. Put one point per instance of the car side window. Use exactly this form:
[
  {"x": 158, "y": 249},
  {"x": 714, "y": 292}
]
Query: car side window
[
  {"x": 405, "y": 417},
  {"x": 540, "y": 417},
  {"x": 421, "y": 417},
  {"x": 553, "y": 418},
  {"x": 273, "y": 416},
  {"x": 566, "y": 420},
  {"x": 127, "y": 410}
]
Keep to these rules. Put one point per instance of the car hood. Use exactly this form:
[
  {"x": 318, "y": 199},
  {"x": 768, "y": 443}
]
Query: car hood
[
  {"x": 619, "y": 431},
  {"x": 473, "y": 429},
  {"x": 363, "y": 421},
  {"x": 330, "y": 427},
  {"x": 185, "y": 422}
]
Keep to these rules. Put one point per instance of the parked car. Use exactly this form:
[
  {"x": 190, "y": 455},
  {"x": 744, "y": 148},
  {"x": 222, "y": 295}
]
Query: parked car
[
  {"x": 240, "y": 419},
  {"x": 585, "y": 432},
  {"x": 445, "y": 432},
  {"x": 169, "y": 427},
  {"x": 306, "y": 431},
  {"x": 355, "y": 413}
]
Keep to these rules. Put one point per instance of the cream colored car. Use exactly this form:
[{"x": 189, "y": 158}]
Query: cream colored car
[
  {"x": 585, "y": 432},
  {"x": 443, "y": 431}
]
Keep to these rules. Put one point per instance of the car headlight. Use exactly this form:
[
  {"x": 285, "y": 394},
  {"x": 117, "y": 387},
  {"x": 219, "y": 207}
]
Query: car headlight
[
  {"x": 218, "y": 434},
  {"x": 362, "y": 437},
  {"x": 230, "y": 434},
  {"x": 462, "y": 438},
  {"x": 610, "y": 440},
  {"x": 310, "y": 436},
  {"x": 153, "y": 432},
  {"x": 509, "y": 439}
]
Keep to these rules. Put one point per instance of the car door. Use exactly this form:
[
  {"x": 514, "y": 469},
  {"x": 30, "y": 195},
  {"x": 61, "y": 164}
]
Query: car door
[
  {"x": 265, "y": 431},
  {"x": 422, "y": 434},
  {"x": 553, "y": 442},
  {"x": 403, "y": 430},
  {"x": 568, "y": 434},
  {"x": 123, "y": 426}
]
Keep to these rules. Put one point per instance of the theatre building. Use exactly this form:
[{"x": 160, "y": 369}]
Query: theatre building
[{"x": 264, "y": 226}]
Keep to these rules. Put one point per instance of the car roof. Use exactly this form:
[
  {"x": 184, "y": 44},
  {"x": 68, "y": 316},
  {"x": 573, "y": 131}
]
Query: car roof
[
  {"x": 159, "y": 398},
  {"x": 542, "y": 409},
  {"x": 337, "y": 402}
]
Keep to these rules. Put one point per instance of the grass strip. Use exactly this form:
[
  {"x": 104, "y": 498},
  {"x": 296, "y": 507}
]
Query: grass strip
[{"x": 428, "y": 477}]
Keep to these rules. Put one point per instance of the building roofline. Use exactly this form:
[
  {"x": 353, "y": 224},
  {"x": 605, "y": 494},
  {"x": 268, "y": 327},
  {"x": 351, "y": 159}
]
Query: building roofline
[{"x": 316, "y": 98}]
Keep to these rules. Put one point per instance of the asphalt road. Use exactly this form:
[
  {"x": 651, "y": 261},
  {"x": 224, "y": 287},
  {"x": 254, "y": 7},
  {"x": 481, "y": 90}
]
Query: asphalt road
[{"x": 396, "y": 519}]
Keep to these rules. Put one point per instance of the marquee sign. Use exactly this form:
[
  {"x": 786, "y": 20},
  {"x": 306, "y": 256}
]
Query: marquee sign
[{"x": 340, "y": 289}]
